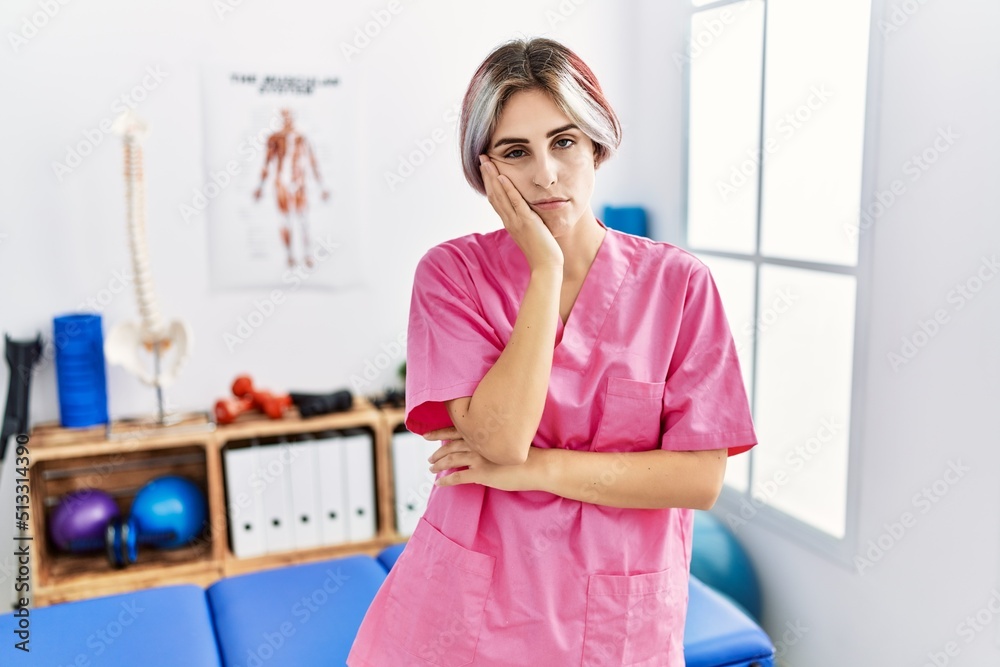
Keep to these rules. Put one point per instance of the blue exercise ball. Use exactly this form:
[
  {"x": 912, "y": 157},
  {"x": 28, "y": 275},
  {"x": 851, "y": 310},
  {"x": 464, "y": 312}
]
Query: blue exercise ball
[
  {"x": 170, "y": 505},
  {"x": 720, "y": 561}
]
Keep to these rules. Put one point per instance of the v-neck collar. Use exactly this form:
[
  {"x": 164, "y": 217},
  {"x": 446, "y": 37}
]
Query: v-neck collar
[{"x": 575, "y": 340}]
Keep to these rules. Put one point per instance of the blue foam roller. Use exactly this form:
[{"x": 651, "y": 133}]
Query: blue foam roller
[{"x": 80, "y": 370}]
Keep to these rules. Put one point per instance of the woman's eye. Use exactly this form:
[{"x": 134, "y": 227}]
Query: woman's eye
[
  {"x": 560, "y": 144},
  {"x": 512, "y": 155}
]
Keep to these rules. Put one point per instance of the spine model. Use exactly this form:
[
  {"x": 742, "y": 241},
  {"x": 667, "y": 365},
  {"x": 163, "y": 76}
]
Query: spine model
[
  {"x": 127, "y": 340},
  {"x": 153, "y": 329}
]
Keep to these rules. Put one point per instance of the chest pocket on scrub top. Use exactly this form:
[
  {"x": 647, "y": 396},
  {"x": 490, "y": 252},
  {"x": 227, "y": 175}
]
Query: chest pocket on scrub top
[
  {"x": 436, "y": 604},
  {"x": 631, "y": 418}
]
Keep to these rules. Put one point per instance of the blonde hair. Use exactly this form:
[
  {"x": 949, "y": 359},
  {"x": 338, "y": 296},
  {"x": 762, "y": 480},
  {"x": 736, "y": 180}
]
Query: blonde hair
[{"x": 542, "y": 64}]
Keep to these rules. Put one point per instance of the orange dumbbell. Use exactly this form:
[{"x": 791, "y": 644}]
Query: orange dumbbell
[
  {"x": 228, "y": 409},
  {"x": 273, "y": 405}
]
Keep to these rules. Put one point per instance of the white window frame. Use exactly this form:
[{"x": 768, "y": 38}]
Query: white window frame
[{"x": 841, "y": 551}]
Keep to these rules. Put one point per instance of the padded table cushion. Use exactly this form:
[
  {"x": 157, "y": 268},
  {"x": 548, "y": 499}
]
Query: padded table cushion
[
  {"x": 719, "y": 634},
  {"x": 390, "y": 555},
  {"x": 157, "y": 627},
  {"x": 297, "y": 615}
]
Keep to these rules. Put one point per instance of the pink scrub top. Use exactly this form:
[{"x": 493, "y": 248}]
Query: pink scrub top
[{"x": 645, "y": 360}]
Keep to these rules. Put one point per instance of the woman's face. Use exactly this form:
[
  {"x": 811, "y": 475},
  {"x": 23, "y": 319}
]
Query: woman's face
[{"x": 547, "y": 157}]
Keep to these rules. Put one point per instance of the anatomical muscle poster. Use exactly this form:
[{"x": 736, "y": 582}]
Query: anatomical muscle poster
[{"x": 280, "y": 206}]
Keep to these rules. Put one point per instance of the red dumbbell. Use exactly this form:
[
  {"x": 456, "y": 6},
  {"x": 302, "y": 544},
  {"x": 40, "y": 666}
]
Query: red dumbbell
[
  {"x": 228, "y": 409},
  {"x": 273, "y": 405}
]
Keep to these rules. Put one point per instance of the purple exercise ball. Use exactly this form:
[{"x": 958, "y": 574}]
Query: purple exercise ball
[{"x": 82, "y": 515}]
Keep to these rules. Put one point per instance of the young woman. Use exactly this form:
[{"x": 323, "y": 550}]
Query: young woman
[{"x": 586, "y": 388}]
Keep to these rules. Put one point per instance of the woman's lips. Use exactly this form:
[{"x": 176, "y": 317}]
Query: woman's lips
[{"x": 551, "y": 205}]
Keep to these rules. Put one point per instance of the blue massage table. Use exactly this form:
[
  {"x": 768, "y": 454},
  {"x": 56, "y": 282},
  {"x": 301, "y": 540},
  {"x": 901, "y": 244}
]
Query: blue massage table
[{"x": 302, "y": 615}]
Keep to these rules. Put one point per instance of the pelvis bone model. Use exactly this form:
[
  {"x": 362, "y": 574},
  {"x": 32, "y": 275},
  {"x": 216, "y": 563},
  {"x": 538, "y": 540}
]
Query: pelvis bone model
[{"x": 127, "y": 340}]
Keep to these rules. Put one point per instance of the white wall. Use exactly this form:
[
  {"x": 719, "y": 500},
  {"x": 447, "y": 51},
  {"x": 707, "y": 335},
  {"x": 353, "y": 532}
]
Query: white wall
[
  {"x": 64, "y": 240},
  {"x": 60, "y": 244}
]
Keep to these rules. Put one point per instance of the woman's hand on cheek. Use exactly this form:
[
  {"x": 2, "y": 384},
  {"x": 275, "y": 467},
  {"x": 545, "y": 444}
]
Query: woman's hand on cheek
[{"x": 524, "y": 225}]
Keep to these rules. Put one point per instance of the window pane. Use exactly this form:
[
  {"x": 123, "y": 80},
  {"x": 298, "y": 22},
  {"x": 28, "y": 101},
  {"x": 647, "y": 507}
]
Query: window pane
[
  {"x": 814, "y": 118},
  {"x": 805, "y": 356},
  {"x": 724, "y": 126},
  {"x": 735, "y": 280}
]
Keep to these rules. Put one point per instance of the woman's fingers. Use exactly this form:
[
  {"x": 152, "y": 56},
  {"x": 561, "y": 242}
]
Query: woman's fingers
[
  {"x": 452, "y": 460},
  {"x": 450, "y": 448},
  {"x": 488, "y": 178},
  {"x": 514, "y": 197},
  {"x": 495, "y": 192},
  {"x": 446, "y": 433},
  {"x": 505, "y": 191}
]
